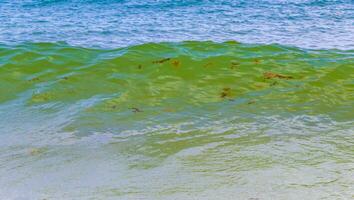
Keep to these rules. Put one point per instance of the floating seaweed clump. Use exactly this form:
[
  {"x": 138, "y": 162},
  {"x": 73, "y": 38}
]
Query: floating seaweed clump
[
  {"x": 135, "y": 110},
  {"x": 234, "y": 64},
  {"x": 176, "y": 63},
  {"x": 271, "y": 75},
  {"x": 225, "y": 93},
  {"x": 161, "y": 61},
  {"x": 257, "y": 61},
  {"x": 33, "y": 79}
]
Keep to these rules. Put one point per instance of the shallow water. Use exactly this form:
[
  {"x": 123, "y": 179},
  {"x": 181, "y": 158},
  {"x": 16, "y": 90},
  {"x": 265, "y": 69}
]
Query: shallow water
[
  {"x": 176, "y": 120},
  {"x": 84, "y": 119}
]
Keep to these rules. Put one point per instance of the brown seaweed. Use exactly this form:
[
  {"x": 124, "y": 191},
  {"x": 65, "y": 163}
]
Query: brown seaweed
[
  {"x": 34, "y": 79},
  {"x": 226, "y": 92},
  {"x": 176, "y": 63},
  {"x": 161, "y": 61},
  {"x": 135, "y": 110},
  {"x": 234, "y": 65},
  {"x": 271, "y": 75}
]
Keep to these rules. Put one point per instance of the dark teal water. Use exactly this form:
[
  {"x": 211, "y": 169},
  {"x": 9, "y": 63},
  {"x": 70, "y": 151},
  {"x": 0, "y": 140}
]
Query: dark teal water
[{"x": 108, "y": 100}]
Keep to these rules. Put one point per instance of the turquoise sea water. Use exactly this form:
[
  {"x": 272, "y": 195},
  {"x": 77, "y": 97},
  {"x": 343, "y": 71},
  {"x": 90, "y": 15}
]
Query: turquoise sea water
[{"x": 176, "y": 100}]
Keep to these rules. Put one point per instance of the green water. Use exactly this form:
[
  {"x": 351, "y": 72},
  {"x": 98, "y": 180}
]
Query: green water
[{"x": 176, "y": 120}]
